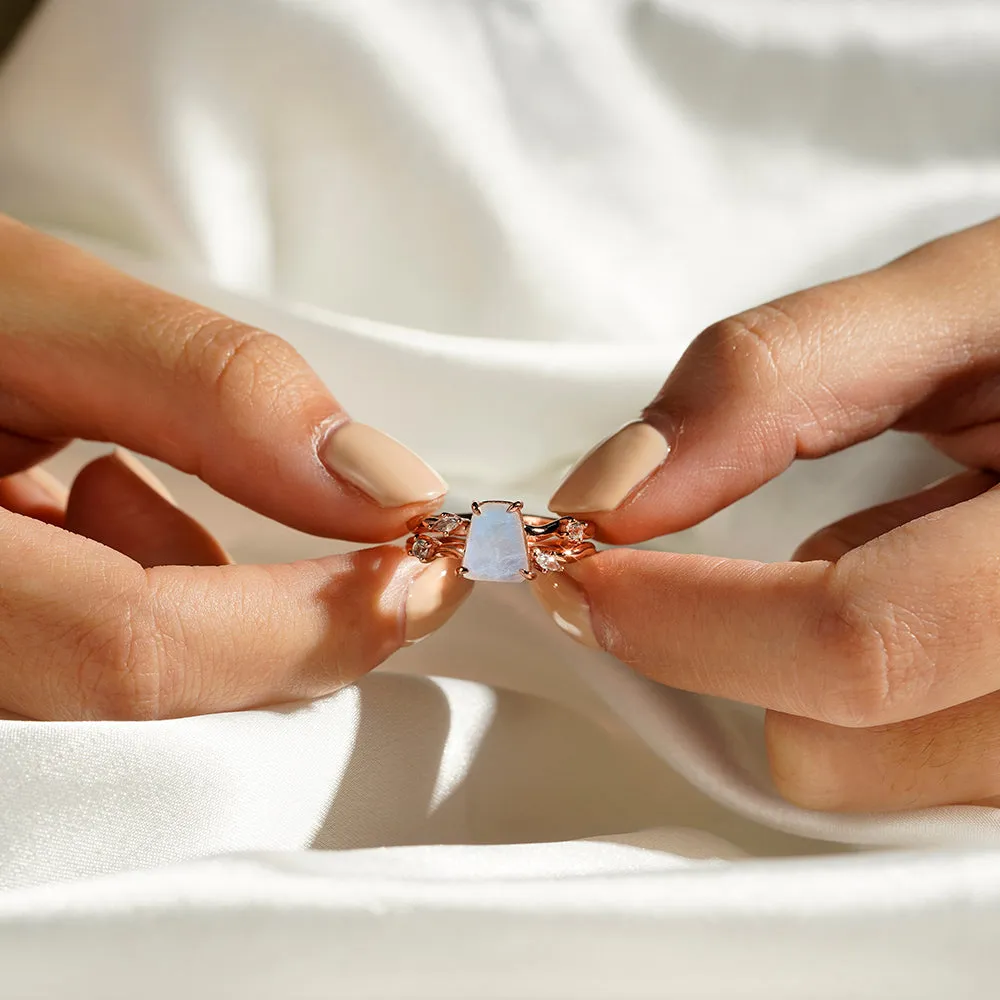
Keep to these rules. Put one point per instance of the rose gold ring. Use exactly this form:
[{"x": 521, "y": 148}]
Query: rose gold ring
[{"x": 499, "y": 543}]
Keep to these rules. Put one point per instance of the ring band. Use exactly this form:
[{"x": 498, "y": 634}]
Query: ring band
[{"x": 497, "y": 542}]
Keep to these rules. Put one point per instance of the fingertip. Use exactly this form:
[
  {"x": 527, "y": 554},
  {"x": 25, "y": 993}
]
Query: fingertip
[
  {"x": 117, "y": 501},
  {"x": 382, "y": 468},
  {"x": 636, "y": 521},
  {"x": 387, "y": 525},
  {"x": 612, "y": 471},
  {"x": 359, "y": 485},
  {"x": 567, "y": 604},
  {"x": 35, "y": 493},
  {"x": 434, "y": 593}
]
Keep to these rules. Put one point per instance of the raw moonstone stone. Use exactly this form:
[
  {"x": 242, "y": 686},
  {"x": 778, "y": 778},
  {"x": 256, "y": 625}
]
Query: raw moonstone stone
[{"x": 496, "y": 549}]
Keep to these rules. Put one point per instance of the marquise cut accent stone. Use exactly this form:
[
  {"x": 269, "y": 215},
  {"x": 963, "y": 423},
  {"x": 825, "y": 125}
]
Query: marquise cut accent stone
[
  {"x": 546, "y": 561},
  {"x": 496, "y": 550},
  {"x": 447, "y": 523}
]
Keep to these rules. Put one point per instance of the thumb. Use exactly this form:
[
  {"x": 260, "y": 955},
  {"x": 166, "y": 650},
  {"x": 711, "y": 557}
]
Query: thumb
[
  {"x": 112, "y": 640},
  {"x": 92, "y": 353}
]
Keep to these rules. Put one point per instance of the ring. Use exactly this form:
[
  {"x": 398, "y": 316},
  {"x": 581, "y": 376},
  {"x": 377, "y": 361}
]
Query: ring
[{"x": 499, "y": 543}]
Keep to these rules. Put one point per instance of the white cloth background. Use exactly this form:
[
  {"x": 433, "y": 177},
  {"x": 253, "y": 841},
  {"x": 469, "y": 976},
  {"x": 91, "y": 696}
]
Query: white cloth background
[{"x": 492, "y": 226}]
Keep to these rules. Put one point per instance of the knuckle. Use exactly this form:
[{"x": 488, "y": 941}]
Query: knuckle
[
  {"x": 777, "y": 351},
  {"x": 231, "y": 363},
  {"x": 236, "y": 363},
  {"x": 748, "y": 345},
  {"x": 117, "y": 662},
  {"x": 878, "y": 651},
  {"x": 772, "y": 333}
]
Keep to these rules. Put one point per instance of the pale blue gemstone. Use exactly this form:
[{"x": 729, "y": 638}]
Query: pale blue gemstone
[{"x": 496, "y": 549}]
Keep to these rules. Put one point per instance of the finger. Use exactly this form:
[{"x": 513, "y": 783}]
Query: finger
[
  {"x": 901, "y": 627},
  {"x": 950, "y": 757},
  {"x": 98, "y": 355},
  {"x": 35, "y": 493},
  {"x": 754, "y": 632},
  {"x": 802, "y": 377},
  {"x": 836, "y": 539},
  {"x": 117, "y": 501},
  {"x": 111, "y": 640},
  {"x": 19, "y": 453}
]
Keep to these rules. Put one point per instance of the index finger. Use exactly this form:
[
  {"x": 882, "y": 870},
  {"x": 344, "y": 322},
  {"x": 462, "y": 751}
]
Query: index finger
[
  {"x": 801, "y": 377},
  {"x": 90, "y": 352}
]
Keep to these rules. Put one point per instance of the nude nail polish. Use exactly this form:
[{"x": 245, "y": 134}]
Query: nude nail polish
[
  {"x": 434, "y": 595},
  {"x": 379, "y": 466},
  {"x": 613, "y": 470},
  {"x": 563, "y": 598}
]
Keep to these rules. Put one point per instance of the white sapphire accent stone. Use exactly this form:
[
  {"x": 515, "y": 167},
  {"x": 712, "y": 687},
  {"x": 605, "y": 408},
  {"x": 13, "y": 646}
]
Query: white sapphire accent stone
[
  {"x": 546, "y": 561},
  {"x": 421, "y": 548},
  {"x": 447, "y": 523},
  {"x": 496, "y": 549}
]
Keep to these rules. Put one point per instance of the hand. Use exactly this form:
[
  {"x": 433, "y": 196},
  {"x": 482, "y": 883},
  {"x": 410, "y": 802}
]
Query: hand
[
  {"x": 878, "y": 653},
  {"x": 95, "y": 622}
]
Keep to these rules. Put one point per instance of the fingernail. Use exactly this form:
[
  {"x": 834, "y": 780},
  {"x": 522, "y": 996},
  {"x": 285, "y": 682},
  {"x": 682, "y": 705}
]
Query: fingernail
[
  {"x": 434, "y": 596},
  {"x": 141, "y": 471},
  {"x": 609, "y": 473},
  {"x": 49, "y": 489},
  {"x": 563, "y": 598},
  {"x": 380, "y": 466}
]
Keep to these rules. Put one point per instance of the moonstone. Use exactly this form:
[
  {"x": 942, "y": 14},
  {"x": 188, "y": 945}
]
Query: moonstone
[{"x": 496, "y": 549}]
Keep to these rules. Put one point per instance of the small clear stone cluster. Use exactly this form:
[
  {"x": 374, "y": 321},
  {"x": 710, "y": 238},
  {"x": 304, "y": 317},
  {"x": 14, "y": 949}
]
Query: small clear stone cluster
[
  {"x": 550, "y": 561},
  {"x": 425, "y": 547}
]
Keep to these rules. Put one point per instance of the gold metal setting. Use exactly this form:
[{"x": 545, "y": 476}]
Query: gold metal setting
[{"x": 552, "y": 542}]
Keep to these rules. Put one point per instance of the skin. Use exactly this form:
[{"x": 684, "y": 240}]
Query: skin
[
  {"x": 876, "y": 650},
  {"x": 113, "y": 602}
]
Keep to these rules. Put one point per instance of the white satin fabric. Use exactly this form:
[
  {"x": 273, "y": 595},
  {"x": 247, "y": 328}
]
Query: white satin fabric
[{"x": 491, "y": 226}]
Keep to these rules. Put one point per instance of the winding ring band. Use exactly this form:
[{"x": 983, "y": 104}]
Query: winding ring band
[{"x": 498, "y": 542}]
